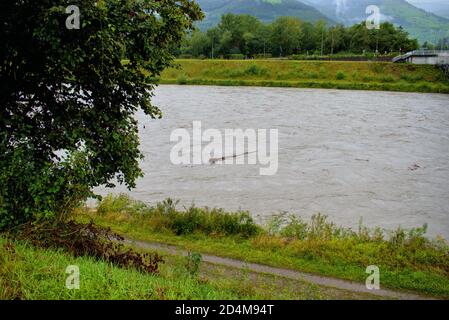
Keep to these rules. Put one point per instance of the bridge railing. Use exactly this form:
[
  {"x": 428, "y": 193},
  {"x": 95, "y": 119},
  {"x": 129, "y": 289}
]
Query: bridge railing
[
  {"x": 428, "y": 52},
  {"x": 417, "y": 53},
  {"x": 402, "y": 57}
]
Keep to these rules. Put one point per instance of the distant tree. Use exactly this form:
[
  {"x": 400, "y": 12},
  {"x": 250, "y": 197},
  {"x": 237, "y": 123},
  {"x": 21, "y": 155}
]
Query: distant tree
[
  {"x": 67, "y": 99},
  {"x": 320, "y": 36},
  {"x": 337, "y": 39},
  {"x": 403, "y": 41},
  {"x": 238, "y": 33},
  {"x": 244, "y": 34},
  {"x": 214, "y": 42},
  {"x": 308, "y": 37},
  {"x": 200, "y": 44},
  {"x": 286, "y": 36},
  {"x": 359, "y": 38},
  {"x": 227, "y": 45}
]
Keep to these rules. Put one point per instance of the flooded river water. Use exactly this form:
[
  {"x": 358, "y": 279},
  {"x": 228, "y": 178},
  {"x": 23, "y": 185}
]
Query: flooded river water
[{"x": 380, "y": 156}]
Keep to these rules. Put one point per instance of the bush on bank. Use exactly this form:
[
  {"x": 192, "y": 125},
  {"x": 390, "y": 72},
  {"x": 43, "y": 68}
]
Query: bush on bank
[
  {"x": 316, "y": 238},
  {"x": 309, "y": 74},
  {"x": 407, "y": 258},
  {"x": 165, "y": 216}
]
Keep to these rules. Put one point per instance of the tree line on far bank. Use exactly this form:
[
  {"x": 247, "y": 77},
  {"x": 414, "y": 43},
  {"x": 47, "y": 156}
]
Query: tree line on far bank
[{"x": 245, "y": 36}]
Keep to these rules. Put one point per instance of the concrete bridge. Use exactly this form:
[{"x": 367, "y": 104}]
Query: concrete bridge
[{"x": 433, "y": 57}]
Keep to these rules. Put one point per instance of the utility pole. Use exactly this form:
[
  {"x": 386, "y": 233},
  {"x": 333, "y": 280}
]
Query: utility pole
[
  {"x": 264, "y": 47},
  {"x": 377, "y": 43},
  {"x": 322, "y": 42},
  {"x": 332, "y": 42}
]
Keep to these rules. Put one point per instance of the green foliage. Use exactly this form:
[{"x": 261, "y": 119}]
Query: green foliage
[
  {"x": 193, "y": 261},
  {"x": 310, "y": 74},
  {"x": 28, "y": 272},
  {"x": 387, "y": 78},
  {"x": 32, "y": 273},
  {"x": 214, "y": 221},
  {"x": 88, "y": 240},
  {"x": 295, "y": 228},
  {"x": 182, "y": 79},
  {"x": 67, "y": 100},
  {"x": 193, "y": 219},
  {"x": 38, "y": 190},
  {"x": 255, "y": 70},
  {"x": 319, "y": 228},
  {"x": 235, "y": 56},
  {"x": 240, "y": 36},
  {"x": 408, "y": 259},
  {"x": 340, "y": 75}
]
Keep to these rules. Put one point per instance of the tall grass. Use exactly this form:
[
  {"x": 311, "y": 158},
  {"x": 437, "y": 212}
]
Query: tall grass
[
  {"x": 309, "y": 74},
  {"x": 27, "y": 272},
  {"x": 320, "y": 239},
  {"x": 165, "y": 216},
  {"x": 407, "y": 258}
]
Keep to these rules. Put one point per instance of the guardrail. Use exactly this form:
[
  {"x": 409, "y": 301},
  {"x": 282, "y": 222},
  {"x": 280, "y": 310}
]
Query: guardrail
[
  {"x": 421, "y": 53},
  {"x": 402, "y": 57}
]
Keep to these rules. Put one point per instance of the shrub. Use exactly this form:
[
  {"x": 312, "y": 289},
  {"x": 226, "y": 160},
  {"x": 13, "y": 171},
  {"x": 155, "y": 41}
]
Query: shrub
[
  {"x": 387, "y": 78},
  {"x": 214, "y": 221},
  {"x": 89, "y": 240},
  {"x": 367, "y": 78},
  {"x": 235, "y": 56},
  {"x": 40, "y": 190},
  {"x": 166, "y": 216},
  {"x": 181, "y": 80},
  {"x": 255, "y": 70},
  {"x": 340, "y": 75},
  {"x": 117, "y": 204},
  {"x": 275, "y": 224},
  {"x": 412, "y": 78},
  {"x": 185, "y": 56},
  {"x": 263, "y": 56},
  {"x": 295, "y": 228},
  {"x": 193, "y": 261},
  {"x": 378, "y": 67},
  {"x": 269, "y": 242},
  {"x": 312, "y": 75}
]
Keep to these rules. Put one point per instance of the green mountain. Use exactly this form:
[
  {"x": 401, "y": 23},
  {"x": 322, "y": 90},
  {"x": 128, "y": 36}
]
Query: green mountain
[
  {"x": 424, "y": 26},
  {"x": 265, "y": 10},
  {"x": 438, "y": 7}
]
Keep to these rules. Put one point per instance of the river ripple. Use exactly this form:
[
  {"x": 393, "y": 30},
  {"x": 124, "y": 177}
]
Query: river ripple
[{"x": 379, "y": 156}]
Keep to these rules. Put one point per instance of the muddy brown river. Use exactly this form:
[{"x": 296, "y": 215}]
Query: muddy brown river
[{"x": 379, "y": 156}]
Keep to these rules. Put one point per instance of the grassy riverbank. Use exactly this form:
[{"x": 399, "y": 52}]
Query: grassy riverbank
[
  {"x": 27, "y": 272},
  {"x": 407, "y": 259},
  {"x": 308, "y": 74}
]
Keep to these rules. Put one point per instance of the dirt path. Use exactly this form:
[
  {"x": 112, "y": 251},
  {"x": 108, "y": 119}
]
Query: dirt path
[{"x": 286, "y": 273}]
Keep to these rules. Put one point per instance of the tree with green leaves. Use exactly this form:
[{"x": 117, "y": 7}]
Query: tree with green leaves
[
  {"x": 67, "y": 97},
  {"x": 246, "y": 36},
  {"x": 200, "y": 44},
  {"x": 286, "y": 36}
]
